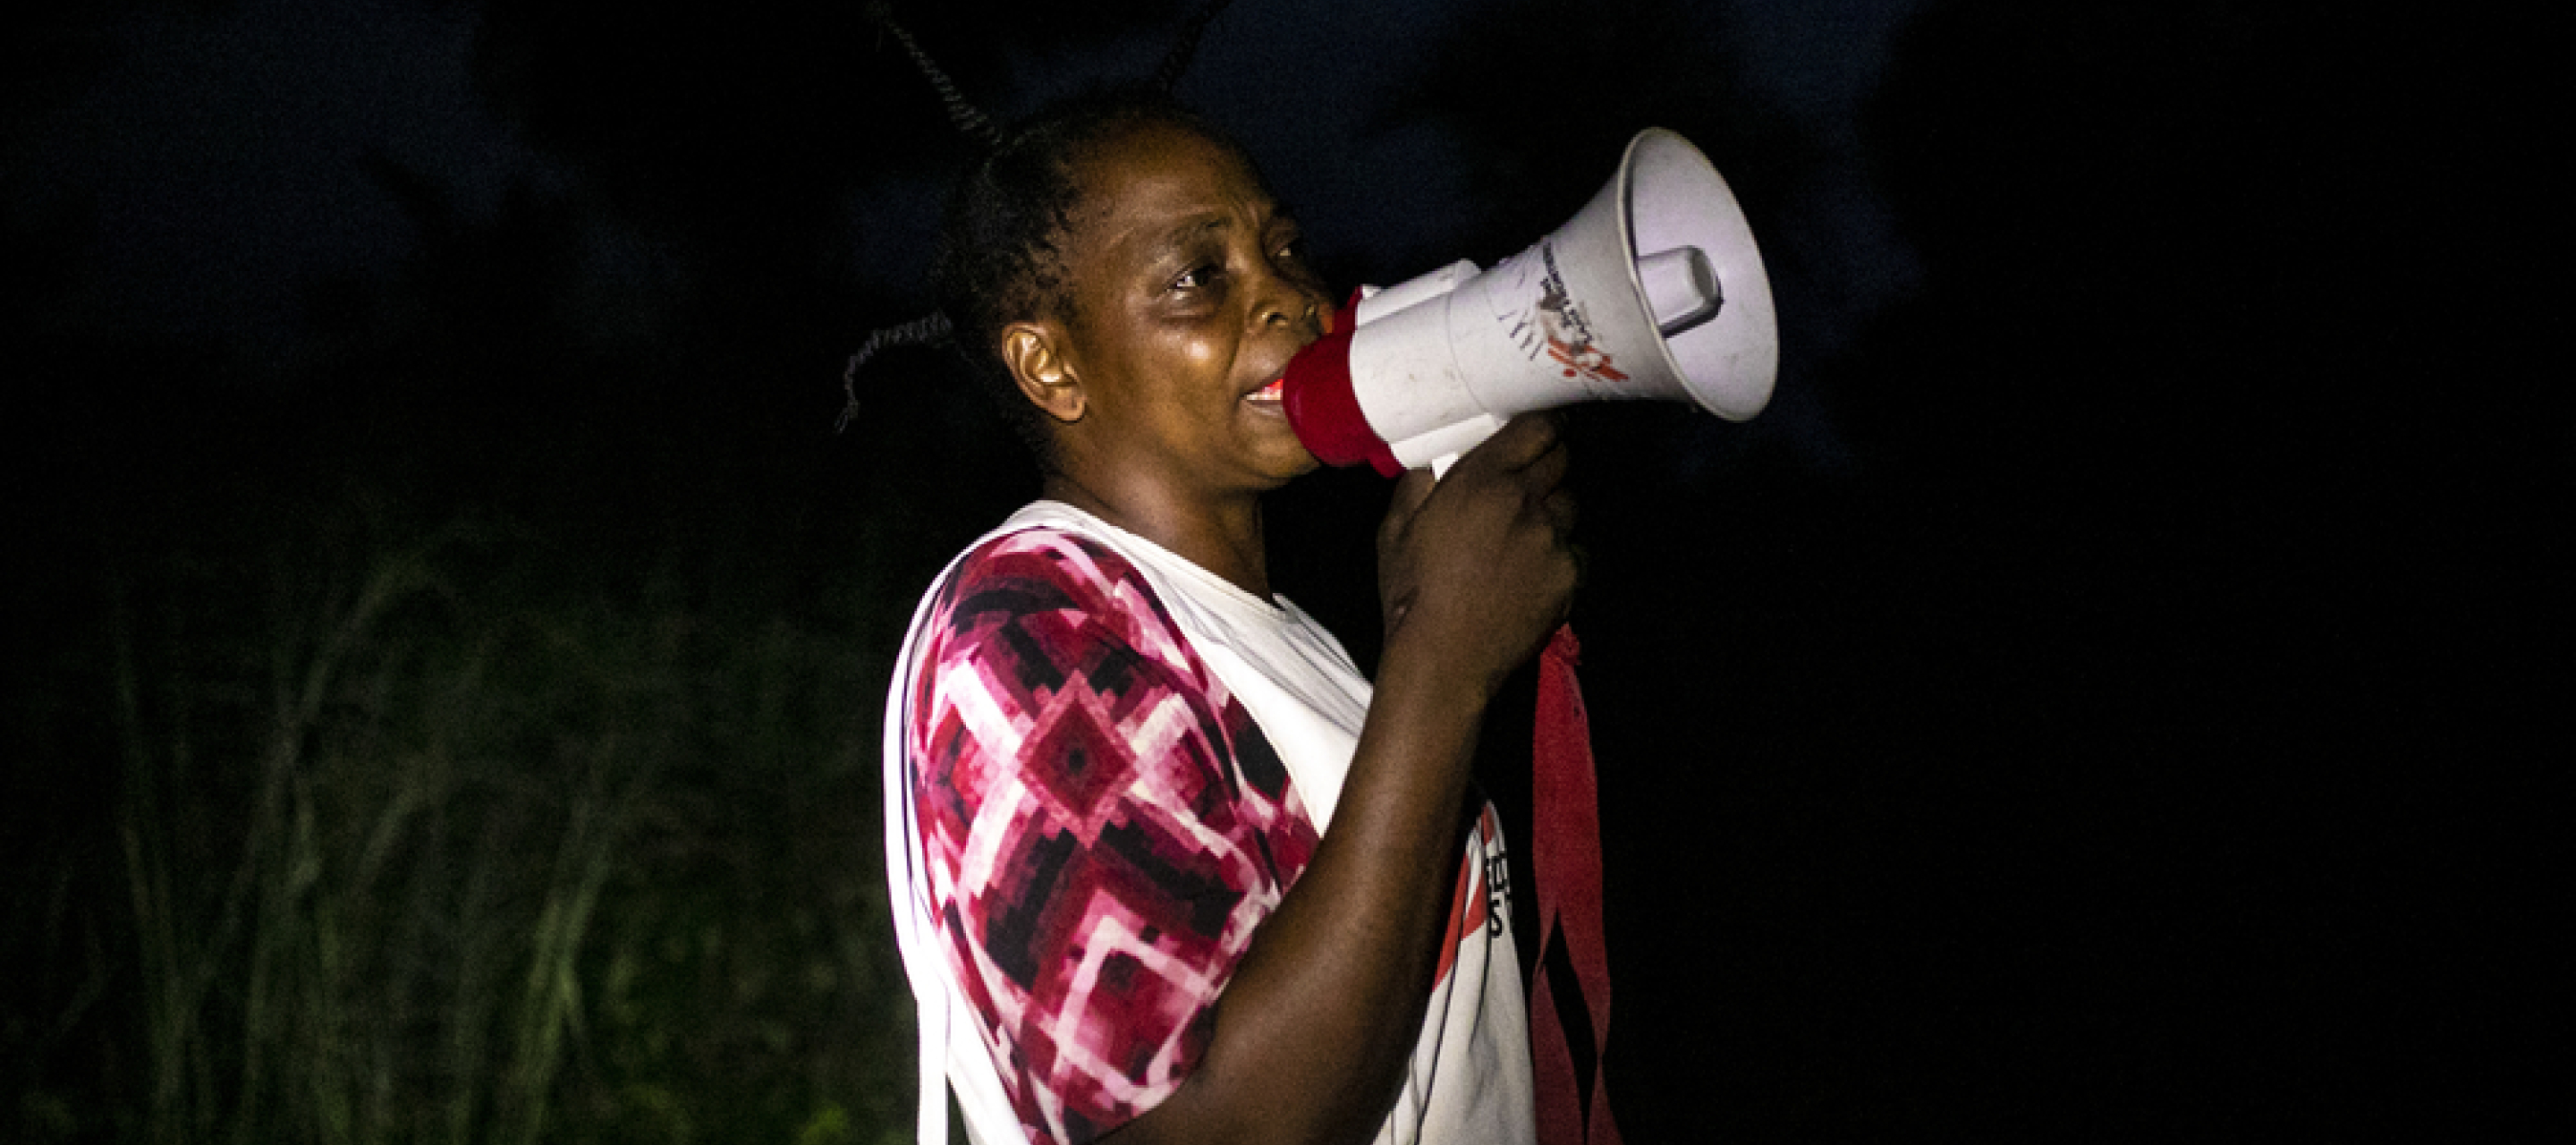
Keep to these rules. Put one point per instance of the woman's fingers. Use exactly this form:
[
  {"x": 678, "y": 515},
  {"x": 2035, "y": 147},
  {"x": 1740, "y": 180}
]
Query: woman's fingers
[
  {"x": 1523, "y": 441},
  {"x": 1560, "y": 509},
  {"x": 1481, "y": 564},
  {"x": 1411, "y": 490}
]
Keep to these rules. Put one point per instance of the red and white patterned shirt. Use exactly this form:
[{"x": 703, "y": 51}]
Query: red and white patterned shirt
[{"x": 1104, "y": 825}]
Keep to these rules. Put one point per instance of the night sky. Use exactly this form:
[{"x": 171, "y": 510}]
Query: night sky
[{"x": 2107, "y": 695}]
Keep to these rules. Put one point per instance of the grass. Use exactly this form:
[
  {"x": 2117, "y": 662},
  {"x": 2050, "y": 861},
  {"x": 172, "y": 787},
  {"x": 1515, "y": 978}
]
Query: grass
[{"x": 413, "y": 839}]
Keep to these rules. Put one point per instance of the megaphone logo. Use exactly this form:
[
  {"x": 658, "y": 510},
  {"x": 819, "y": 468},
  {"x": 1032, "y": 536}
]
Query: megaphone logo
[{"x": 1654, "y": 290}]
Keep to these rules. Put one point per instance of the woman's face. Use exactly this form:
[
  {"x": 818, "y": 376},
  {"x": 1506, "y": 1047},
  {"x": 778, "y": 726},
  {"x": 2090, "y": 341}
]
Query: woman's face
[{"x": 1188, "y": 297}]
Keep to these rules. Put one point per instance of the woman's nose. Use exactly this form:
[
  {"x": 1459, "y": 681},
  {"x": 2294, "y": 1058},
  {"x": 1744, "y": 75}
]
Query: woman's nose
[{"x": 1290, "y": 302}]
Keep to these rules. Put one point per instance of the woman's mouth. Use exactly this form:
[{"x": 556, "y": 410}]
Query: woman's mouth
[{"x": 1268, "y": 394}]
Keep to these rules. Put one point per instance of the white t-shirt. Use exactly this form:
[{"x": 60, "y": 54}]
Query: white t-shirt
[{"x": 1470, "y": 1078}]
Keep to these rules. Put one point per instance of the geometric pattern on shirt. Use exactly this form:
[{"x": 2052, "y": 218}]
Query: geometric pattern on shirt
[{"x": 1103, "y": 824}]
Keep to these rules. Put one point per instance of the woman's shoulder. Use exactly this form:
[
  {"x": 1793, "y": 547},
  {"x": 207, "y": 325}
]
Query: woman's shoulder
[
  {"x": 1049, "y": 569},
  {"x": 1047, "y": 559}
]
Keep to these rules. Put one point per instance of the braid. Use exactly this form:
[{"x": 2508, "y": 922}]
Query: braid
[
  {"x": 961, "y": 113},
  {"x": 1186, "y": 47},
  {"x": 923, "y": 331}
]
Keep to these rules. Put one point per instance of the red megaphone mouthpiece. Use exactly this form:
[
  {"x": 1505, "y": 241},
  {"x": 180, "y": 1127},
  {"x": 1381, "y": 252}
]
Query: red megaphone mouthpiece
[{"x": 1316, "y": 392}]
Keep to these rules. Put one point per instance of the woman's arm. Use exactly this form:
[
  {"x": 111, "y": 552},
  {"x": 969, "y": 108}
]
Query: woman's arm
[
  {"x": 1313, "y": 1032},
  {"x": 1101, "y": 842}
]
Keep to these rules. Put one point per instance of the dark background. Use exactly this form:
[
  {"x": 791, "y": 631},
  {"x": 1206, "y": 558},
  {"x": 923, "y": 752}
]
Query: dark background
[{"x": 2107, "y": 695}]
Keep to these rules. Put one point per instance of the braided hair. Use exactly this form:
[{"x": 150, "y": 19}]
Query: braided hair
[{"x": 1000, "y": 257}]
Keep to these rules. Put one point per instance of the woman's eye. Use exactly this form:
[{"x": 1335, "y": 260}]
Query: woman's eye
[{"x": 1197, "y": 277}]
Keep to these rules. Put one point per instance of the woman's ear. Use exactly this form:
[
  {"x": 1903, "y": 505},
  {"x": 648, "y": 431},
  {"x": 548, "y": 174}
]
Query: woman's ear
[{"x": 1035, "y": 353}]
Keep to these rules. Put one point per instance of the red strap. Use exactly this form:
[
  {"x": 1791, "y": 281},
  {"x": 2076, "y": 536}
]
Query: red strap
[{"x": 1565, "y": 854}]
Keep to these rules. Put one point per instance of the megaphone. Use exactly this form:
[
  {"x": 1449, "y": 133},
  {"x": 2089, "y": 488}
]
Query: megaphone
[{"x": 1653, "y": 290}]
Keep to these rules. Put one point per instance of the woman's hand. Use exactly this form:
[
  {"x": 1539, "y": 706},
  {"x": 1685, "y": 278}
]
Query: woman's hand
[{"x": 1475, "y": 570}]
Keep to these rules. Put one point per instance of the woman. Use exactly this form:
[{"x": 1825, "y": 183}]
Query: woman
[{"x": 1165, "y": 865}]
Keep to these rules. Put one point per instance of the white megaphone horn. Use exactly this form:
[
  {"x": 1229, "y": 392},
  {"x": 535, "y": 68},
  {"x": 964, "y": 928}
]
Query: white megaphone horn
[{"x": 1653, "y": 290}]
